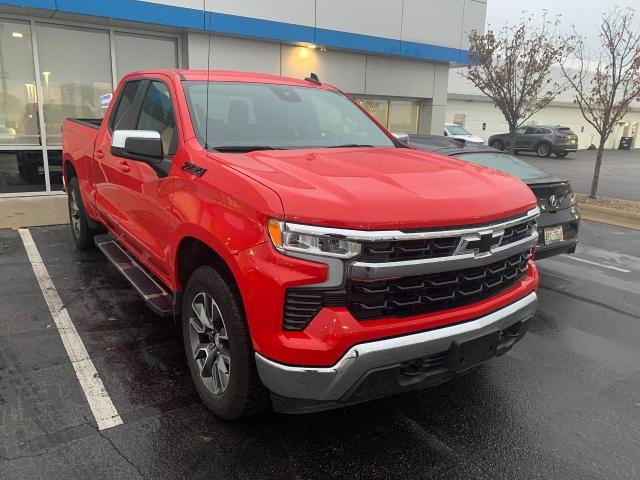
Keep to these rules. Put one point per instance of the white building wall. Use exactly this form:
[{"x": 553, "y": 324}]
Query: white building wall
[
  {"x": 465, "y": 99},
  {"x": 352, "y": 72},
  {"x": 435, "y": 22},
  {"x": 445, "y": 23},
  {"x": 478, "y": 112}
]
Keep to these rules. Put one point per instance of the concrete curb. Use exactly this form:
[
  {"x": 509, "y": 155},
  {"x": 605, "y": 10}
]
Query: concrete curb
[
  {"x": 16, "y": 212},
  {"x": 612, "y": 216}
]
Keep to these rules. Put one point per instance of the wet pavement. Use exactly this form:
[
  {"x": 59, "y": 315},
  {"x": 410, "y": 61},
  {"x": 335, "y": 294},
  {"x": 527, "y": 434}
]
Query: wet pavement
[
  {"x": 618, "y": 175},
  {"x": 564, "y": 403}
]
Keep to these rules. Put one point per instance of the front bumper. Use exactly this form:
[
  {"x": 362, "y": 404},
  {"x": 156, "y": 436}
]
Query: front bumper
[
  {"x": 569, "y": 219},
  {"x": 564, "y": 147},
  {"x": 385, "y": 367}
]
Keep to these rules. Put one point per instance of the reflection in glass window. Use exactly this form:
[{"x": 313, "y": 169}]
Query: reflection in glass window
[
  {"x": 75, "y": 65},
  {"x": 403, "y": 116},
  {"x": 21, "y": 171},
  {"x": 378, "y": 109},
  {"x": 157, "y": 114},
  {"x": 18, "y": 112},
  {"x": 139, "y": 52}
]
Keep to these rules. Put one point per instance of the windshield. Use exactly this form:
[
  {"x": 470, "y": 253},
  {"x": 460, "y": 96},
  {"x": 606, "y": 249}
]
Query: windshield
[
  {"x": 505, "y": 163},
  {"x": 277, "y": 116},
  {"x": 457, "y": 130}
]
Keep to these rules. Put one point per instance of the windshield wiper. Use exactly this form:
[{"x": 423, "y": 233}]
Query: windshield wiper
[
  {"x": 351, "y": 145},
  {"x": 244, "y": 148}
]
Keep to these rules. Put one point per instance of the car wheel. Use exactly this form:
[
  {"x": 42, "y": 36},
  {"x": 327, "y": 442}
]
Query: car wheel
[
  {"x": 218, "y": 347},
  {"x": 497, "y": 144},
  {"x": 561, "y": 154},
  {"x": 543, "y": 150},
  {"x": 82, "y": 233}
]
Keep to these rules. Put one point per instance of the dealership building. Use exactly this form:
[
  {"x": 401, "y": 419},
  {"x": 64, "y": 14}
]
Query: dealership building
[{"x": 63, "y": 58}]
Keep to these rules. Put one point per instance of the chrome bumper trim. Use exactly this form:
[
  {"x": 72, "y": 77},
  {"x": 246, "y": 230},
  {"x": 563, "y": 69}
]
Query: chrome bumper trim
[
  {"x": 390, "y": 235},
  {"x": 372, "y": 271},
  {"x": 333, "y": 383}
]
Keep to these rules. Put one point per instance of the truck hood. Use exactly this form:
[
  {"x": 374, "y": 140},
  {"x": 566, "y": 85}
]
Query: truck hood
[{"x": 382, "y": 188}]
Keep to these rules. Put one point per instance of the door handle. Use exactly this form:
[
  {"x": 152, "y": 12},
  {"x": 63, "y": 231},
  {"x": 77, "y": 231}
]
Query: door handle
[
  {"x": 124, "y": 166},
  {"x": 98, "y": 154}
]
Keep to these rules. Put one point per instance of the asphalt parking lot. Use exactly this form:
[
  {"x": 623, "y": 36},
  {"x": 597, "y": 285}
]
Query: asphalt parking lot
[
  {"x": 564, "y": 403},
  {"x": 619, "y": 174}
]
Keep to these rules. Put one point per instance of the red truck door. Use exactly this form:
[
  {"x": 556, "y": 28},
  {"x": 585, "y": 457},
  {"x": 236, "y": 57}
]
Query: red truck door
[
  {"x": 108, "y": 169},
  {"x": 144, "y": 197}
]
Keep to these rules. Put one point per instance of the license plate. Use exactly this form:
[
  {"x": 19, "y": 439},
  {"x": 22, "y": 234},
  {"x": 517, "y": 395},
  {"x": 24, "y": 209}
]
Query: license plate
[
  {"x": 472, "y": 352},
  {"x": 553, "y": 234}
]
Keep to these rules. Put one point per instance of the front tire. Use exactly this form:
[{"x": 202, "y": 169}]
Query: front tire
[
  {"x": 543, "y": 150},
  {"x": 497, "y": 144},
  {"x": 218, "y": 347},
  {"x": 80, "y": 230}
]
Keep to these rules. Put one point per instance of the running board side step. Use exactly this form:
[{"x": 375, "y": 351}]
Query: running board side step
[{"x": 152, "y": 292}]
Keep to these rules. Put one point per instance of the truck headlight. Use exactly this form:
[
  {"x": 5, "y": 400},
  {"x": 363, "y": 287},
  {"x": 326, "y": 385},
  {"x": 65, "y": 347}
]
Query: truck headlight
[{"x": 296, "y": 238}]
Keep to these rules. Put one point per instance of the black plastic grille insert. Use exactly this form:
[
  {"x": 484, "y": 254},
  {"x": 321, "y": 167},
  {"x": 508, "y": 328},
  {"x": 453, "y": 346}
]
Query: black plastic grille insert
[{"x": 406, "y": 296}]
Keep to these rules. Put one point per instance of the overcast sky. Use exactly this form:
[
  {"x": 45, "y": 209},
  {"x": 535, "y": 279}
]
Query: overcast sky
[{"x": 584, "y": 14}]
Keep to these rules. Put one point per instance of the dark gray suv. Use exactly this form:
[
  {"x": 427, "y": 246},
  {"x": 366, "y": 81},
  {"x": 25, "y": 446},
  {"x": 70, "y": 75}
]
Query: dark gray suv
[{"x": 542, "y": 139}]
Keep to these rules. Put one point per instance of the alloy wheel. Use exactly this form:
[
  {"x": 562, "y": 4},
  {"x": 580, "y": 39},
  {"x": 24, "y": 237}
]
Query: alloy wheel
[
  {"x": 209, "y": 343},
  {"x": 543, "y": 150},
  {"x": 74, "y": 213}
]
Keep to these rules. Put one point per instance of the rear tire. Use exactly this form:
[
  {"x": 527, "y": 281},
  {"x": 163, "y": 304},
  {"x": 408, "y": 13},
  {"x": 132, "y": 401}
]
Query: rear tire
[
  {"x": 561, "y": 154},
  {"x": 497, "y": 144},
  {"x": 543, "y": 150},
  {"x": 80, "y": 230},
  {"x": 218, "y": 347}
]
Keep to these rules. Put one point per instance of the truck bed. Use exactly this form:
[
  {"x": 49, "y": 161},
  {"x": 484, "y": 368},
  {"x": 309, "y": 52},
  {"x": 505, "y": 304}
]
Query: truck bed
[{"x": 78, "y": 145}]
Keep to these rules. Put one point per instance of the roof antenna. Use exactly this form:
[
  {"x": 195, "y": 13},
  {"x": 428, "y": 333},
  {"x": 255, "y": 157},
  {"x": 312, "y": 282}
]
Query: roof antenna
[{"x": 313, "y": 78}]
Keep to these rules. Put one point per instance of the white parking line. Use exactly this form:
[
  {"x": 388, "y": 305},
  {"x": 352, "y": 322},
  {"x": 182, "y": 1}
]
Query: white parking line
[
  {"x": 603, "y": 265},
  {"x": 100, "y": 403}
]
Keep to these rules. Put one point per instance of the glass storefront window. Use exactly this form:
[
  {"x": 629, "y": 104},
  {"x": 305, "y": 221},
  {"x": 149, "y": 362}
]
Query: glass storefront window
[
  {"x": 378, "y": 109},
  {"x": 75, "y": 69},
  {"x": 18, "y": 112},
  {"x": 139, "y": 52},
  {"x": 21, "y": 171},
  {"x": 403, "y": 116},
  {"x": 54, "y": 158}
]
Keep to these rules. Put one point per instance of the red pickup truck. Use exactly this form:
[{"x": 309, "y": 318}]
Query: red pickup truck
[{"x": 313, "y": 259}]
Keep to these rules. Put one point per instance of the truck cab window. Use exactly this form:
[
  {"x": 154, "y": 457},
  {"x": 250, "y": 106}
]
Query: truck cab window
[
  {"x": 123, "y": 117},
  {"x": 157, "y": 115}
]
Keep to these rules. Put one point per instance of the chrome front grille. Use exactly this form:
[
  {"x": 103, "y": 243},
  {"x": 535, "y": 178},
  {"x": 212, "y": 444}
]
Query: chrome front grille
[{"x": 401, "y": 274}]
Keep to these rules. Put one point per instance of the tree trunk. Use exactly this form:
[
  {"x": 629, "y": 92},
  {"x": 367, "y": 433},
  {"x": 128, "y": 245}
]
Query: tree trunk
[
  {"x": 596, "y": 171},
  {"x": 512, "y": 142}
]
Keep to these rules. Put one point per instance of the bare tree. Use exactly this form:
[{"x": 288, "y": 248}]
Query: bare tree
[
  {"x": 512, "y": 68},
  {"x": 604, "y": 91}
]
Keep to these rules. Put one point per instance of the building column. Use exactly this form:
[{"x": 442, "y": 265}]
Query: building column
[
  {"x": 432, "y": 118},
  {"x": 434, "y": 110}
]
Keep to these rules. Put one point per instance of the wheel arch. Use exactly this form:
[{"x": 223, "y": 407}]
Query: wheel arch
[{"x": 192, "y": 253}]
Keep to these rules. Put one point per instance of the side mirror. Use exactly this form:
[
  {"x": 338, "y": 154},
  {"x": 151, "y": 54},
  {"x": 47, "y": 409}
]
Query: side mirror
[
  {"x": 140, "y": 145},
  {"x": 402, "y": 137}
]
